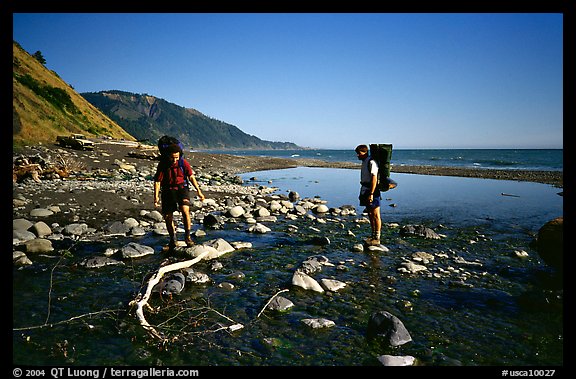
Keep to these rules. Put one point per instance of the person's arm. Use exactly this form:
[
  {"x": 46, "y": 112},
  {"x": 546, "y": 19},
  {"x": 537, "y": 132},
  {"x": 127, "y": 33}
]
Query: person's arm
[
  {"x": 373, "y": 186},
  {"x": 156, "y": 194},
  {"x": 374, "y": 182},
  {"x": 196, "y": 186}
]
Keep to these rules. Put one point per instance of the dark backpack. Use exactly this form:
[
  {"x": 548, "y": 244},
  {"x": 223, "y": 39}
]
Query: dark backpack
[
  {"x": 166, "y": 141},
  {"x": 381, "y": 153}
]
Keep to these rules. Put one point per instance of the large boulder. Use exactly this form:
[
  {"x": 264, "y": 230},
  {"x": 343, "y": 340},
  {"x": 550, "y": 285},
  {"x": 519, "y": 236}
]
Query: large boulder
[{"x": 550, "y": 243}]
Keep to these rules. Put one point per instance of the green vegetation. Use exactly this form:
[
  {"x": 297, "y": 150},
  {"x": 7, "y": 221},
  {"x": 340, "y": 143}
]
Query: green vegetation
[
  {"x": 39, "y": 57},
  {"x": 55, "y": 96}
]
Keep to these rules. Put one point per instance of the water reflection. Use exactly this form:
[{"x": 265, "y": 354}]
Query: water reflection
[{"x": 441, "y": 199}]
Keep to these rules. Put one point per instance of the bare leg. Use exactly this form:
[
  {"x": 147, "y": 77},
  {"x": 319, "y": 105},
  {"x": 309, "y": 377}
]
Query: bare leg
[
  {"x": 185, "y": 209},
  {"x": 169, "y": 219},
  {"x": 375, "y": 222}
]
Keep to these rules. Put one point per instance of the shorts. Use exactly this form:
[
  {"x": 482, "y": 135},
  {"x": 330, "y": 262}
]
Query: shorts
[
  {"x": 364, "y": 193},
  {"x": 172, "y": 199}
]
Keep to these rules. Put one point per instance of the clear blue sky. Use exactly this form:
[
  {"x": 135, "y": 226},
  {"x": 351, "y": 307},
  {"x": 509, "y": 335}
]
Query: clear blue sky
[{"x": 327, "y": 80}]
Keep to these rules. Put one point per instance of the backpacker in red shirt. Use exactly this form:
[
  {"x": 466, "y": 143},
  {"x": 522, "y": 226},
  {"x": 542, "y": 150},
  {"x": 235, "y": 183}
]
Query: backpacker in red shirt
[{"x": 172, "y": 176}]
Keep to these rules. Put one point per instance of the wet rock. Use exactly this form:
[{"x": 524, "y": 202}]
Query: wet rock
[
  {"x": 280, "y": 304},
  {"x": 172, "y": 284},
  {"x": 135, "y": 250},
  {"x": 20, "y": 259},
  {"x": 195, "y": 276},
  {"x": 39, "y": 245},
  {"x": 316, "y": 323},
  {"x": 259, "y": 228},
  {"x": 197, "y": 250},
  {"x": 302, "y": 280},
  {"x": 332, "y": 284},
  {"x": 418, "y": 231},
  {"x": 97, "y": 262},
  {"x": 221, "y": 246},
  {"x": 389, "y": 328},
  {"x": 550, "y": 243},
  {"x": 394, "y": 360}
]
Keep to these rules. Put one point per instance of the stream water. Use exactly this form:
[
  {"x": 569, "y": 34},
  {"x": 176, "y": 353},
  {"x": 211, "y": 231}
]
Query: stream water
[{"x": 509, "y": 312}]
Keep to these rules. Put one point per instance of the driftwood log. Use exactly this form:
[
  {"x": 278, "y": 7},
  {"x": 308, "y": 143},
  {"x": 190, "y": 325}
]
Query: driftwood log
[
  {"x": 20, "y": 172},
  {"x": 144, "y": 155},
  {"x": 141, "y": 300}
]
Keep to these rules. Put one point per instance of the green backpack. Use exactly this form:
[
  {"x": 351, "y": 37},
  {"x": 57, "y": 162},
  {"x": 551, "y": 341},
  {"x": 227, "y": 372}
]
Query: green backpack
[{"x": 381, "y": 153}]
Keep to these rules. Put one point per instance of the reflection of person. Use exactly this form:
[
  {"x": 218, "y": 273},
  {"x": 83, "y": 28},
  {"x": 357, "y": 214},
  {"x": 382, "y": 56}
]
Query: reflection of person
[
  {"x": 369, "y": 192},
  {"x": 170, "y": 181}
]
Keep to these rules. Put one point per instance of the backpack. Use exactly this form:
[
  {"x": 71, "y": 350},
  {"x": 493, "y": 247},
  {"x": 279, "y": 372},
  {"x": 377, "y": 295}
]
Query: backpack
[
  {"x": 163, "y": 143},
  {"x": 381, "y": 153}
]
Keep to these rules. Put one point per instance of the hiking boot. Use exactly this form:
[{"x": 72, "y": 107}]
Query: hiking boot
[
  {"x": 171, "y": 245},
  {"x": 189, "y": 241},
  {"x": 372, "y": 241}
]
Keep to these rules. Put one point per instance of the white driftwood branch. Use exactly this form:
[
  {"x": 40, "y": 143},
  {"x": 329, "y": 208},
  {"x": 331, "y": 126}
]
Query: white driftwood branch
[{"x": 155, "y": 279}]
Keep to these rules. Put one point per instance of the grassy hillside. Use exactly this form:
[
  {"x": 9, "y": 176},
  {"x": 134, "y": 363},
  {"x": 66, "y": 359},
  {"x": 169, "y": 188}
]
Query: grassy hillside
[{"x": 44, "y": 106}]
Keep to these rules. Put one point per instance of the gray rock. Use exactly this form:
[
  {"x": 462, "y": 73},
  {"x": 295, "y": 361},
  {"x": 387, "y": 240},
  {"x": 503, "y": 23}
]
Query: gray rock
[
  {"x": 41, "y": 212},
  {"x": 321, "y": 208},
  {"x": 393, "y": 360},
  {"x": 155, "y": 215},
  {"x": 39, "y": 245},
  {"x": 419, "y": 231},
  {"x": 41, "y": 229},
  {"x": 236, "y": 211},
  {"x": 117, "y": 228},
  {"x": 20, "y": 259},
  {"x": 305, "y": 281},
  {"x": 22, "y": 235},
  {"x": 21, "y": 224},
  {"x": 316, "y": 323},
  {"x": 173, "y": 284},
  {"x": 212, "y": 221},
  {"x": 194, "y": 276},
  {"x": 280, "y": 304},
  {"x": 221, "y": 245},
  {"x": 259, "y": 228},
  {"x": 97, "y": 262},
  {"x": 389, "y": 328},
  {"x": 75, "y": 229},
  {"x": 332, "y": 284},
  {"x": 137, "y": 231},
  {"x": 135, "y": 250},
  {"x": 293, "y": 196}
]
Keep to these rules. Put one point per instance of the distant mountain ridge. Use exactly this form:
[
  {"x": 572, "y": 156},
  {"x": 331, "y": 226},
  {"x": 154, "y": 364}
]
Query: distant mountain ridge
[{"x": 148, "y": 118}]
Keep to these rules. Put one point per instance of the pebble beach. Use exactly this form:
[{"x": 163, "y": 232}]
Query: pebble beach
[{"x": 275, "y": 243}]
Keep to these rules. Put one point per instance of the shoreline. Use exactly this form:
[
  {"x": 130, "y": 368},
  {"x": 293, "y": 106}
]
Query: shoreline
[
  {"x": 243, "y": 164},
  {"x": 236, "y": 164}
]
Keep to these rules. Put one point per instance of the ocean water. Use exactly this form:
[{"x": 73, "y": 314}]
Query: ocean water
[{"x": 512, "y": 159}]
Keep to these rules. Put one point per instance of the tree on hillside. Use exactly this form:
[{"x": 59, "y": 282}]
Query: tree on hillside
[{"x": 39, "y": 57}]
